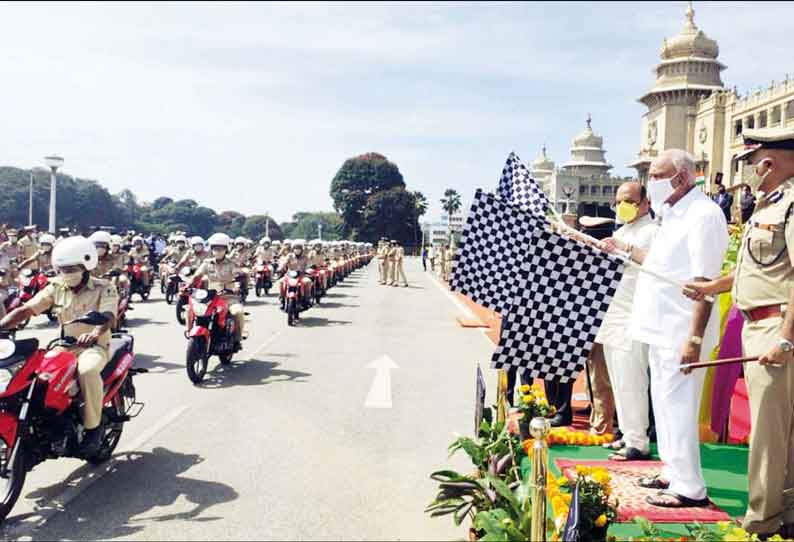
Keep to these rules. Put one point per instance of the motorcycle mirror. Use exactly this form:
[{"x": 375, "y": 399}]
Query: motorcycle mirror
[
  {"x": 293, "y": 274},
  {"x": 7, "y": 348},
  {"x": 27, "y": 272},
  {"x": 185, "y": 272}
]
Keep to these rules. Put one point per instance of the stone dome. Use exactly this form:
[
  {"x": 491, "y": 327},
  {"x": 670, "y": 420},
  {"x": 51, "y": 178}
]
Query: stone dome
[
  {"x": 690, "y": 42},
  {"x": 587, "y": 138},
  {"x": 542, "y": 162}
]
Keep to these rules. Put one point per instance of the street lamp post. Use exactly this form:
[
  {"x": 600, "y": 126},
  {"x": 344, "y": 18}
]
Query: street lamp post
[
  {"x": 320, "y": 231},
  {"x": 53, "y": 162},
  {"x": 30, "y": 200},
  {"x": 267, "y": 226}
]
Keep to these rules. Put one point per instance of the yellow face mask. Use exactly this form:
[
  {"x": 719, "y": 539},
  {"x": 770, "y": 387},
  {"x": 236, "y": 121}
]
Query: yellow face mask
[{"x": 627, "y": 211}]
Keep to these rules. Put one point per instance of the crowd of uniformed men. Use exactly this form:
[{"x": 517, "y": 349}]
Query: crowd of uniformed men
[{"x": 91, "y": 274}]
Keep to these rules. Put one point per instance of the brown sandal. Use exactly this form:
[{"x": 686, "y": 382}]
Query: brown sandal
[
  {"x": 653, "y": 482},
  {"x": 668, "y": 499}
]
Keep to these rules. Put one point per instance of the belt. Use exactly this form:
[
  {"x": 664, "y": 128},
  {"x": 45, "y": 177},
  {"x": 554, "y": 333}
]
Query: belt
[{"x": 762, "y": 313}]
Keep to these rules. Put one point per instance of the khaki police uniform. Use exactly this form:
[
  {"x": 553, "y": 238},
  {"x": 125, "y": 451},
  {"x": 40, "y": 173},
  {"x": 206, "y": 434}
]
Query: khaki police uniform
[
  {"x": 28, "y": 247},
  {"x": 763, "y": 282},
  {"x": 41, "y": 262},
  {"x": 97, "y": 295},
  {"x": 397, "y": 271},
  {"x": 222, "y": 275},
  {"x": 193, "y": 259},
  {"x": 141, "y": 257},
  {"x": 383, "y": 263},
  {"x": 764, "y": 277}
]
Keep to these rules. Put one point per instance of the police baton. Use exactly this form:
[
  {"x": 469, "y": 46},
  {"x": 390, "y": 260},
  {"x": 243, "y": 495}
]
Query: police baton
[{"x": 715, "y": 363}]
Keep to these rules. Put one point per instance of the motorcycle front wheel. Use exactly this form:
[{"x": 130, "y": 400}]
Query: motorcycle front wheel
[
  {"x": 170, "y": 292},
  {"x": 258, "y": 289},
  {"x": 197, "y": 359},
  {"x": 113, "y": 430},
  {"x": 11, "y": 486},
  {"x": 292, "y": 312},
  {"x": 180, "y": 310}
]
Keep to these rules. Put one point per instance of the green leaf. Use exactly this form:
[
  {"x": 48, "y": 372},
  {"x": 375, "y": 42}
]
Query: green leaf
[{"x": 504, "y": 491}]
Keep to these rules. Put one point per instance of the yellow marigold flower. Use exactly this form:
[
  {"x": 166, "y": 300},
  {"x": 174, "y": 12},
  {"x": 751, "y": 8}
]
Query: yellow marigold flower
[
  {"x": 736, "y": 534},
  {"x": 527, "y": 399},
  {"x": 562, "y": 480},
  {"x": 543, "y": 402},
  {"x": 525, "y": 388},
  {"x": 601, "y": 520},
  {"x": 723, "y": 526},
  {"x": 567, "y": 498},
  {"x": 583, "y": 470}
]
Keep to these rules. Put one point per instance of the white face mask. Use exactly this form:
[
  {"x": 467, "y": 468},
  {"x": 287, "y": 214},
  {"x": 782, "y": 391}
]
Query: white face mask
[
  {"x": 101, "y": 251},
  {"x": 659, "y": 191},
  {"x": 72, "y": 279},
  {"x": 219, "y": 253},
  {"x": 754, "y": 180}
]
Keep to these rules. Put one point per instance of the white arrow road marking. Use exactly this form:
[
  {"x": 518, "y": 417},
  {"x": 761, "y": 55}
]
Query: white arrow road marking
[{"x": 379, "y": 395}]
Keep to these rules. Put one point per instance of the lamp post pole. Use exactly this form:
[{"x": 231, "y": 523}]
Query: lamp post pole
[
  {"x": 53, "y": 162},
  {"x": 320, "y": 230},
  {"x": 30, "y": 201},
  {"x": 267, "y": 226}
]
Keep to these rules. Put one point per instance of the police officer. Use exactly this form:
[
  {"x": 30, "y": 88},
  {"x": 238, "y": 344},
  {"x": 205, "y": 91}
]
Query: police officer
[
  {"x": 140, "y": 255},
  {"x": 383, "y": 261},
  {"x": 196, "y": 255},
  {"x": 27, "y": 243},
  {"x": 74, "y": 293},
  {"x": 221, "y": 274},
  {"x": 11, "y": 247},
  {"x": 41, "y": 259},
  {"x": 762, "y": 286},
  {"x": 396, "y": 261}
]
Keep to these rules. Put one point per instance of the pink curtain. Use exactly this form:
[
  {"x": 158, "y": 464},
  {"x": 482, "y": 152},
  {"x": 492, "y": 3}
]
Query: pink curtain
[{"x": 726, "y": 375}]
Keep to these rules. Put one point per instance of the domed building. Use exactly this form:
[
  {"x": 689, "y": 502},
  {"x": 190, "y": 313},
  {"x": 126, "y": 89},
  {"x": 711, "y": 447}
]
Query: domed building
[
  {"x": 688, "y": 107},
  {"x": 583, "y": 183}
]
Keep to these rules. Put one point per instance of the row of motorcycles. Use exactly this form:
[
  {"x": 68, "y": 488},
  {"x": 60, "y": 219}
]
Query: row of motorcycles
[{"x": 40, "y": 398}]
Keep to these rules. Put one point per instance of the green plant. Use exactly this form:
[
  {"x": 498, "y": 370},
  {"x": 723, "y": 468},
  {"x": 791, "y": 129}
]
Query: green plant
[{"x": 513, "y": 520}]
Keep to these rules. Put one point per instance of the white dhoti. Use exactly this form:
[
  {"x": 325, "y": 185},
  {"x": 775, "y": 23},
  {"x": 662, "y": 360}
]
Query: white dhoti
[
  {"x": 628, "y": 372},
  {"x": 676, "y": 401}
]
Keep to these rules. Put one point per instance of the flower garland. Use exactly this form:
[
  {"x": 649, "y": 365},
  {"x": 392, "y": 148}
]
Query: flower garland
[{"x": 596, "y": 511}]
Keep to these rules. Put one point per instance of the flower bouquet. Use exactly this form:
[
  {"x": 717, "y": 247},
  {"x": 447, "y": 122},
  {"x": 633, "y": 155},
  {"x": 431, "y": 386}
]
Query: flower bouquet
[{"x": 596, "y": 511}]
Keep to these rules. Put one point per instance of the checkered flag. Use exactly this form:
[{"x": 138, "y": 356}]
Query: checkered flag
[
  {"x": 493, "y": 247},
  {"x": 559, "y": 306},
  {"x": 518, "y": 187}
]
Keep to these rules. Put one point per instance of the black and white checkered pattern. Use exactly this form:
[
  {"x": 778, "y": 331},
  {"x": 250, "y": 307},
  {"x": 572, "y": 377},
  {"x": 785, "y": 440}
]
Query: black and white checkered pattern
[
  {"x": 559, "y": 306},
  {"x": 518, "y": 187},
  {"x": 495, "y": 242}
]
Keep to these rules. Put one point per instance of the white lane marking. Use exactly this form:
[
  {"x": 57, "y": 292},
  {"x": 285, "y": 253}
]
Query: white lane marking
[
  {"x": 268, "y": 342},
  {"x": 59, "y": 502},
  {"x": 379, "y": 395}
]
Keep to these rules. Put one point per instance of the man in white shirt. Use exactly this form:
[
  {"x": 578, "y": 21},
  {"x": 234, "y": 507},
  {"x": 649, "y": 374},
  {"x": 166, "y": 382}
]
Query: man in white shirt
[
  {"x": 627, "y": 360},
  {"x": 691, "y": 242}
]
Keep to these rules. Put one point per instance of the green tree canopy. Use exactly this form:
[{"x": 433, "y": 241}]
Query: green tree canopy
[
  {"x": 356, "y": 181},
  {"x": 390, "y": 213},
  {"x": 254, "y": 228},
  {"x": 304, "y": 226}
]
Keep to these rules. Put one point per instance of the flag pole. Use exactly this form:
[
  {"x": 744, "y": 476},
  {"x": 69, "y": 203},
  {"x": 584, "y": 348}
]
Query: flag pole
[{"x": 621, "y": 255}]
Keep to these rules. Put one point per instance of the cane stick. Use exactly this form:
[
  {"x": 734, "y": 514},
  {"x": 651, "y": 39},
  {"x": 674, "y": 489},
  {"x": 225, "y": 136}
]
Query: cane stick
[{"x": 718, "y": 362}]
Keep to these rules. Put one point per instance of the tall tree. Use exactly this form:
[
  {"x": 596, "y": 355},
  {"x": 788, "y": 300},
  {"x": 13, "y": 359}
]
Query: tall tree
[
  {"x": 389, "y": 213},
  {"x": 356, "y": 181},
  {"x": 451, "y": 203},
  {"x": 421, "y": 209}
]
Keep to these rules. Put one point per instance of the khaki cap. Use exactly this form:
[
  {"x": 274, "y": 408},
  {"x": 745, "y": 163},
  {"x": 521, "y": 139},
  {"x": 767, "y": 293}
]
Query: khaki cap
[{"x": 766, "y": 138}]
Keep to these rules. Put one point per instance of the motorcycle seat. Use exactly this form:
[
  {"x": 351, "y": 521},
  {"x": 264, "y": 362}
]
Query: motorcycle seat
[{"x": 120, "y": 344}]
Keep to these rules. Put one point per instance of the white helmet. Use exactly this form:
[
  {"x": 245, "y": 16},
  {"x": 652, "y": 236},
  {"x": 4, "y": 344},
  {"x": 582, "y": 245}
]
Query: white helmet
[
  {"x": 115, "y": 240},
  {"x": 298, "y": 243},
  {"x": 180, "y": 239},
  {"x": 219, "y": 239},
  {"x": 137, "y": 239},
  {"x": 47, "y": 239},
  {"x": 196, "y": 240},
  {"x": 239, "y": 240},
  {"x": 100, "y": 237},
  {"x": 248, "y": 242},
  {"x": 75, "y": 251},
  {"x": 264, "y": 241}
]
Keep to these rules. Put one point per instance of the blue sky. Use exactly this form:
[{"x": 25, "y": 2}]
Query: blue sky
[{"x": 254, "y": 107}]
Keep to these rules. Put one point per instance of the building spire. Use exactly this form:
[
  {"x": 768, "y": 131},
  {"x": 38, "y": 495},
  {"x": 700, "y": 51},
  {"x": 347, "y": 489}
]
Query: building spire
[
  {"x": 690, "y": 16},
  {"x": 589, "y": 119}
]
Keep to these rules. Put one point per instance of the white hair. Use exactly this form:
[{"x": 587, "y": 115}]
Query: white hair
[{"x": 681, "y": 160}]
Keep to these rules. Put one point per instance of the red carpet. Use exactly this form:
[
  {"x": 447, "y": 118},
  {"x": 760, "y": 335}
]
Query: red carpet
[{"x": 631, "y": 498}]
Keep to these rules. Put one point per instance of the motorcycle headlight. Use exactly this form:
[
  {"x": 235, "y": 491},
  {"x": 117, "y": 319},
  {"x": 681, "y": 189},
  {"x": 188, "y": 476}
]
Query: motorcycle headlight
[
  {"x": 26, "y": 281},
  {"x": 199, "y": 309}
]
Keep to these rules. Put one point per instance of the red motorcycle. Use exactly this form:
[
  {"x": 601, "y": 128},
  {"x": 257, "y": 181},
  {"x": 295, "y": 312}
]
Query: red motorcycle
[
  {"x": 184, "y": 293},
  {"x": 32, "y": 282},
  {"x": 317, "y": 287},
  {"x": 40, "y": 399},
  {"x": 212, "y": 331},
  {"x": 263, "y": 279},
  {"x": 135, "y": 274},
  {"x": 293, "y": 295}
]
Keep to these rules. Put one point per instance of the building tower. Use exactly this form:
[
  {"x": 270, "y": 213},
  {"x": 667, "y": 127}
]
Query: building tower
[
  {"x": 688, "y": 71},
  {"x": 587, "y": 155}
]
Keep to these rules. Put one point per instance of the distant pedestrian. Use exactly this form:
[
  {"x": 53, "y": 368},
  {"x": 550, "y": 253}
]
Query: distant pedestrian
[
  {"x": 432, "y": 257},
  {"x": 747, "y": 203},
  {"x": 724, "y": 200},
  {"x": 424, "y": 258}
]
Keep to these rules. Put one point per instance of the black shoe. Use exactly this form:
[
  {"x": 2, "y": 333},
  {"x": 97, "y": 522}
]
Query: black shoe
[
  {"x": 92, "y": 441},
  {"x": 560, "y": 420}
]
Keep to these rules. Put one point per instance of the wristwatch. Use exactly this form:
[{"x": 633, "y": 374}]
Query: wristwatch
[
  {"x": 786, "y": 345},
  {"x": 694, "y": 339}
]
